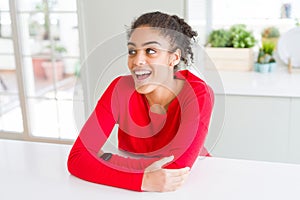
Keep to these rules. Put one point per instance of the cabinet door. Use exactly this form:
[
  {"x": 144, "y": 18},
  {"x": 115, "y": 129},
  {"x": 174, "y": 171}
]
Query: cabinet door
[
  {"x": 294, "y": 143},
  {"x": 254, "y": 128}
]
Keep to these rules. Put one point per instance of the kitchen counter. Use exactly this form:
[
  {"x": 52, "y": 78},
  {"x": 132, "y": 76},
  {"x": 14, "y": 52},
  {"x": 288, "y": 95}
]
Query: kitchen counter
[
  {"x": 258, "y": 117},
  {"x": 36, "y": 171},
  {"x": 279, "y": 83}
]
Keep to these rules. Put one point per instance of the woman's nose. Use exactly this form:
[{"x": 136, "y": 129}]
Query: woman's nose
[{"x": 139, "y": 59}]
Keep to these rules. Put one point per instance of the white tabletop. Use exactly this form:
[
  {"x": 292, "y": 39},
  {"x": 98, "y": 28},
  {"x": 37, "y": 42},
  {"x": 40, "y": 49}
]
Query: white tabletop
[{"x": 36, "y": 171}]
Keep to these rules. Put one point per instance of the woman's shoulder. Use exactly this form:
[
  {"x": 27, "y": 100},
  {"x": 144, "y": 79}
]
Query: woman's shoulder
[
  {"x": 193, "y": 80},
  {"x": 122, "y": 81},
  {"x": 121, "y": 86},
  {"x": 196, "y": 86}
]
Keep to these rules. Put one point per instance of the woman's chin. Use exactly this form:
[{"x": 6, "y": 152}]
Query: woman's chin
[{"x": 145, "y": 89}]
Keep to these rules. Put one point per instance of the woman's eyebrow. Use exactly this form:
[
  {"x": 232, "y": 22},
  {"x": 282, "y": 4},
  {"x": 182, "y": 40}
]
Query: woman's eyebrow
[
  {"x": 151, "y": 42},
  {"x": 131, "y": 43},
  {"x": 145, "y": 44}
]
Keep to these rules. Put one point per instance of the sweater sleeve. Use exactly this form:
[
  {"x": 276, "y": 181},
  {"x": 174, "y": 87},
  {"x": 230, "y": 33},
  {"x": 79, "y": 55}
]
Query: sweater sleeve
[
  {"x": 192, "y": 132},
  {"x": 83, "y": 161}
]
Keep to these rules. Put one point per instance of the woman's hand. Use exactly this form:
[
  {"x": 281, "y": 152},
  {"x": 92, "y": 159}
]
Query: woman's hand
[{"x": 157, "y": 179}]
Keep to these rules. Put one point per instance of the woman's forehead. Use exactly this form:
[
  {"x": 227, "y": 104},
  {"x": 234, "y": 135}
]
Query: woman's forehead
[{"x": 148, "y": 35}]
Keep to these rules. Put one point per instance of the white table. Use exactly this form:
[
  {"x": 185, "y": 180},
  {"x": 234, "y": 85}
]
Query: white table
[{"x": 37, "y": 171}]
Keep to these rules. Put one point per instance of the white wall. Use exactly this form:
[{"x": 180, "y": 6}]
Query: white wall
[
  {"x": 103, "y": 18},
  {"x": 102, "y": 25}
]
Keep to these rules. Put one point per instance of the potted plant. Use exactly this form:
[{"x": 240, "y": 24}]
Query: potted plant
[
  {"x": 265, "y": 60},
  {"x": 47, "y": 49},
  {"x": 270, "y": 34},
  {"x": 219, "y": 38},
  {"x": 48, "y": 56},
  {"x": 240, "y": 37},
  {"x": 297, "y": 22},
  {"x": 56, "y": 65},
  {"x": 231, "y": 49}
]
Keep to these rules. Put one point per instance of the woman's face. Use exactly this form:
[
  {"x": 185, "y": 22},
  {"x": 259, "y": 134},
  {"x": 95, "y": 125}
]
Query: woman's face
[{"x": 149, "y": 59}]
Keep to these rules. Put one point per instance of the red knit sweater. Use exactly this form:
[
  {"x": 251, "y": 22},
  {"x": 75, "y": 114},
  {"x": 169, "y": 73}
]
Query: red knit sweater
[{"x": 180, "y": 132}]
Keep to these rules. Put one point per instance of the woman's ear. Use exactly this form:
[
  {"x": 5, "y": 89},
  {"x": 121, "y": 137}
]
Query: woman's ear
[{"x": 175, "y": 58}]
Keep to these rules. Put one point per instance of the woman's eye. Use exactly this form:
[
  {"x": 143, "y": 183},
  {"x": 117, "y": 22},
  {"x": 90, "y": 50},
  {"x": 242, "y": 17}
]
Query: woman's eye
[
  {"x": 131, "y": 52},
  {"x": 150, "y": 51}
]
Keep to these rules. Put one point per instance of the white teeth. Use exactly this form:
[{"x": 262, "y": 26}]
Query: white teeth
[{"x": 142, "y": 72}]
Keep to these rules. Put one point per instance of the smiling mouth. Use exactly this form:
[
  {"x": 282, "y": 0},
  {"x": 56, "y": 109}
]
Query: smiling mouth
[{"x": 142, "y": 74}]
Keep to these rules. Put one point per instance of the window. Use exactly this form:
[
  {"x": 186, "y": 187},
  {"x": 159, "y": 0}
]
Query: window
[
  {"x": 206, "y": 15},
  {"x": 46, "y": 45},
  {"x": 10, "y": 111}
]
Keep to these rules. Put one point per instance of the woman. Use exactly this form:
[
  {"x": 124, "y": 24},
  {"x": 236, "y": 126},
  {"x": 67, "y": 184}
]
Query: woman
[{"x": 163, "y": 114}]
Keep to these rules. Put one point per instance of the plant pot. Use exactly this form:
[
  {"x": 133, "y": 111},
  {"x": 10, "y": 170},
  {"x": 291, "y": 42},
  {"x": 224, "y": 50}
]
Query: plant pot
[
  {"x": 272, "y": 66},
  {"x": 262, "y": 68},
  {"x": 235, "y": 59},
  {"x": 53, "y": 71},
  {"x": 256, "y": 67},
  {"x": 38, "y": 69}
]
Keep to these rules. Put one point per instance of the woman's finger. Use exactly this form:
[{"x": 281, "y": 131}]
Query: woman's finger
[
  {"x": 159, "y": 164},
  {"x": 177, "y": 172},
  {"x": 179, "y": 179}
]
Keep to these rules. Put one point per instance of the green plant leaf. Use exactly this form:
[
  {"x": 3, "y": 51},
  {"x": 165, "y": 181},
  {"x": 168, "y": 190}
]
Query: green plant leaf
[{"x": 237, "y": 36}]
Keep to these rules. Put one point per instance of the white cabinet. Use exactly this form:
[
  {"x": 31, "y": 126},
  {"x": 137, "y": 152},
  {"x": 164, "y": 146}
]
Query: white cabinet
[
  {"x": 258, "y": 128},
  {"x": 294, "y": 141}
]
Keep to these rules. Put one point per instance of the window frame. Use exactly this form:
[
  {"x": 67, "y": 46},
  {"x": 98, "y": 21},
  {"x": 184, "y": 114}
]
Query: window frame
[{"x": 18, "y": 53}]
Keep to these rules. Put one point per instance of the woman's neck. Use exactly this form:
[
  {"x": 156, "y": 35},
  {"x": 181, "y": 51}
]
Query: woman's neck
[{"x": 162, "y": 96}]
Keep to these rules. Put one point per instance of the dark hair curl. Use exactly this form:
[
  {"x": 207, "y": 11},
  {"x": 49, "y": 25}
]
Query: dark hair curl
[{"x": 176, "y": 29}]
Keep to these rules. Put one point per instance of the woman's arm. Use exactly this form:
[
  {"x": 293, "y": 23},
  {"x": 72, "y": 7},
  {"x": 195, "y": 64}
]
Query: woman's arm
[
  {"x": 156, "y": 178},
  {"x": 186, "y": 145},
  {"x": 83, "y": 164},
  {"x": 192, "y": 132},
  {"x": 83, "y": 160}
]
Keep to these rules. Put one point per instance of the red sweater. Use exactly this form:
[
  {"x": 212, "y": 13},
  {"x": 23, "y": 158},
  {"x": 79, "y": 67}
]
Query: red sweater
[{"x": 180, "y": 132}]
